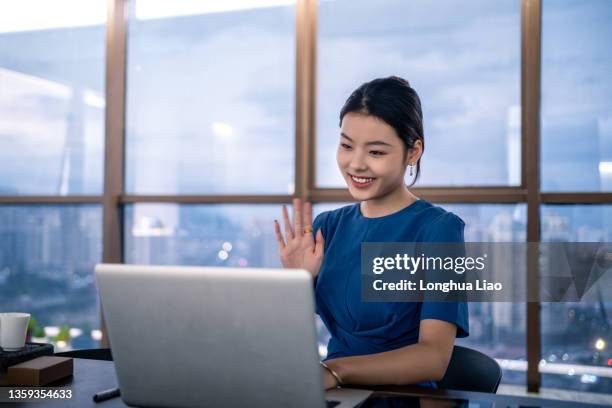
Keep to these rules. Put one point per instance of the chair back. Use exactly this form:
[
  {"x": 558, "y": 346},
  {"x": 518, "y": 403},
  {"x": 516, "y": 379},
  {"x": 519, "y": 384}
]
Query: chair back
[{"x": 471, "y": 370}]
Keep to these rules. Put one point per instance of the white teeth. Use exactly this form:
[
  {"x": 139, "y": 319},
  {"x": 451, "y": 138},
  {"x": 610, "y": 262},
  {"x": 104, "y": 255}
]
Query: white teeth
[{"x": 361, "y": 180}]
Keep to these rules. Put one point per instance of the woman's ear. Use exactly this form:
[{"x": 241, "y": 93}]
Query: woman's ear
[{"x": 415, "y": 153}]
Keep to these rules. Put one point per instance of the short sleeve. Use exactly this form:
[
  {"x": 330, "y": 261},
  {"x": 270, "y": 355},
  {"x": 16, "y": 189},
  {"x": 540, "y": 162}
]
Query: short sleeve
[
  {"x": 448, "y": 227},
  {"x": 319, "y": 222},
  {"x": 452, "y": 312}
]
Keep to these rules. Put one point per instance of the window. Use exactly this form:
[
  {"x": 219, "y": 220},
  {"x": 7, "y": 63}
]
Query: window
[
  {"x": 462, "y": 58},
  {"x": 47, "y": 255},
  {"x": 577, "y": 335},
  {"x": 576, "y": 124},
  {"x": 212, "y": 235},
  {"x": 210, "y": 100},
  {"x": 52, "y": 100}
]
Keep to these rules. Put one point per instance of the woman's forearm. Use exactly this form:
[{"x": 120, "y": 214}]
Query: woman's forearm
[{"x": 407, "y": 365}]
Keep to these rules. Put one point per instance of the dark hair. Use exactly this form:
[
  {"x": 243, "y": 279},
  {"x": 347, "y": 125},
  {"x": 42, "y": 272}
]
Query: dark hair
[{"x": 396, "y": 103}]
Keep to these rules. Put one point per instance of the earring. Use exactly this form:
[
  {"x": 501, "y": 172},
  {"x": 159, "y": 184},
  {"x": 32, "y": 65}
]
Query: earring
[{"x": 411, "y": 167}]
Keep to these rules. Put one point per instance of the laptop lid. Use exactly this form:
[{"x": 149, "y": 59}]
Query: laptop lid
[{"x": 193, "y": 336}]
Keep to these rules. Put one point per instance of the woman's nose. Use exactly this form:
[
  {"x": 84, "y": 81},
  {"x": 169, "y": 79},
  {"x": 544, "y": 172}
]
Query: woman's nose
[{"x": 358, "y": 162}]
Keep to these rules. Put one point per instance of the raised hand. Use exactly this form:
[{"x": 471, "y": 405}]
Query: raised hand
[{"x": 299, "y": 249}]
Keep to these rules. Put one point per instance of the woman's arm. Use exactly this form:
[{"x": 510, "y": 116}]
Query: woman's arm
[{"x": 426, "y": 360}]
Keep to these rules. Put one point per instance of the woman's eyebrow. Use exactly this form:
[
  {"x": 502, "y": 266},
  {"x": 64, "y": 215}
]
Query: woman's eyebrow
[{"x": 376, "y": 142}]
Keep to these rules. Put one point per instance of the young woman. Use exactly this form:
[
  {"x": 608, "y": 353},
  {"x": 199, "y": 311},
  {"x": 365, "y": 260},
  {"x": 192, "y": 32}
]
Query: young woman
[{"x": 376, "y": 342}]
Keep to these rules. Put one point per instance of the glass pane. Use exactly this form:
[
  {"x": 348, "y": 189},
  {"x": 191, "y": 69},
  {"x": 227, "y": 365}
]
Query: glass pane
[
  {"x": 497, "y": 328},
  {"x": 212, "y": 235},
  {"x": 576, "y": 337},
  {"x": 576, "y": 123},
  {"x": 463, "y": 59},
  {"x": 210, "y": 99},
  {"x": 52, "y": 97},
  {"x": 47, "y": 255}
]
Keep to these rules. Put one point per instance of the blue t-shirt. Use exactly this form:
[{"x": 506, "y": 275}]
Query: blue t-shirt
[{"x": 358, "y": 327}]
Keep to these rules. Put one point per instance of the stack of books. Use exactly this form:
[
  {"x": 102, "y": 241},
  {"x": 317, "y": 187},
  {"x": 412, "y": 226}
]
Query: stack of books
[{"x": 34, "y": 365}]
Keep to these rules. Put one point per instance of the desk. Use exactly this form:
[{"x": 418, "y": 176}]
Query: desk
[{"x": 91, "y": 376}]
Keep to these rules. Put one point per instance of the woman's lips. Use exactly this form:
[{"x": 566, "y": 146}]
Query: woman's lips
[{"x": 361, "y": 182}]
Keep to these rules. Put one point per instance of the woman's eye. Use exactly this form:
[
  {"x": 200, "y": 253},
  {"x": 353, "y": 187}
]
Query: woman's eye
[
  {"x": 377, "y": 153},
  {"x": 345, "y": 146}
]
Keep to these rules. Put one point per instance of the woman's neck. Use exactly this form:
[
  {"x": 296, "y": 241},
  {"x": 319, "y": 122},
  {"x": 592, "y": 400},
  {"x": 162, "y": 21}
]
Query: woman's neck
[{"x": 388, "y": 204}]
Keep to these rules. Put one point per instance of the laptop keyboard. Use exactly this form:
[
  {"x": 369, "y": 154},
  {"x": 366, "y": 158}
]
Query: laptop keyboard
[{"x": 332, "y": 404}]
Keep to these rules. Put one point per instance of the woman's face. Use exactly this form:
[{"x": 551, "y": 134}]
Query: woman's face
[{"x": 370, "y": 156}]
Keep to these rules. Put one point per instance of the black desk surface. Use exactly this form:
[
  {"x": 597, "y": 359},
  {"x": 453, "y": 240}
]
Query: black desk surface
[{"x": 91, "y": 376}]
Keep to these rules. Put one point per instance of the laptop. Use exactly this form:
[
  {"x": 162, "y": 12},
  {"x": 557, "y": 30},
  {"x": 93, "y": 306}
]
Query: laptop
[{"x": 204, "y": 336}]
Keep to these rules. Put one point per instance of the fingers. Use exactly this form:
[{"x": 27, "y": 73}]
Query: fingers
[
  {"x": 279, "y": 236},
  {"x": 297, "y": 217},
  {"x": 308, "y": 214},
  {"x": 288, "y": 230}
]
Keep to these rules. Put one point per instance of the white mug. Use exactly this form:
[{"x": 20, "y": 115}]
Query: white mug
[{"x": 13, "y": 329}]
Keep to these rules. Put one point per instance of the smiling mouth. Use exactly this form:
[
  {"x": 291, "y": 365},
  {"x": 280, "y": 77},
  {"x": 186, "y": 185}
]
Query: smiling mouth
[{"x": 361, "y": 181}]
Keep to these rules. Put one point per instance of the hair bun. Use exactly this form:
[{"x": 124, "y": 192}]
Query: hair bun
[{"x": 400, "y": 79}]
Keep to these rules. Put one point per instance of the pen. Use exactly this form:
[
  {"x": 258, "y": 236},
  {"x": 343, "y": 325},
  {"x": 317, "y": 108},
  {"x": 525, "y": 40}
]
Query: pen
[{"x": 106, "y": 395}]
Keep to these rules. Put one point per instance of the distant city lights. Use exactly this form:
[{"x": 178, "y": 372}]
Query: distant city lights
[
  {"x": 96, "y": 335},
  {"x": 558, "y": 368},
  {"x": 223, "y": 255},
  {"x": 75, "y": 332},
  {"x": 51, "y": 331},
  {"x": 227, "y": 246},
  {"x": 588, "y": 379}
]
